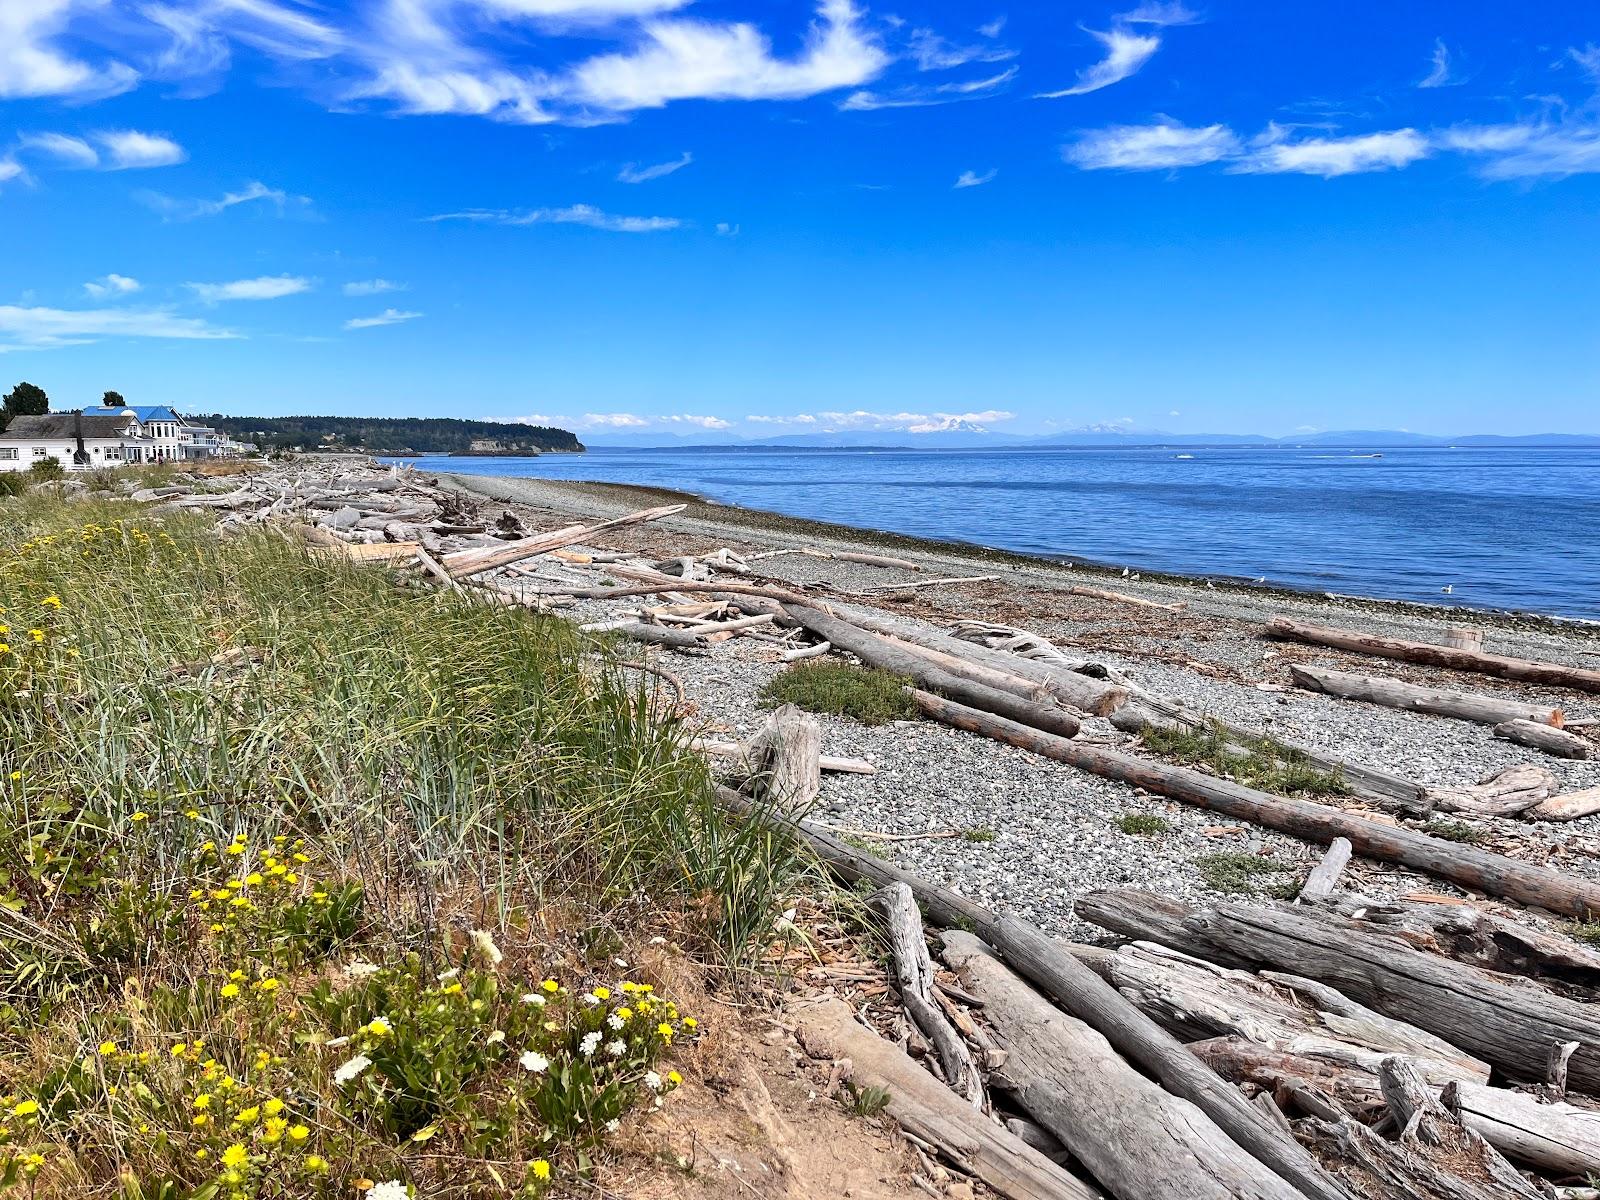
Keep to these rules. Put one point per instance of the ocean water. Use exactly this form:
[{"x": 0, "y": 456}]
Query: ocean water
[{"x": 1501, "y": 528}]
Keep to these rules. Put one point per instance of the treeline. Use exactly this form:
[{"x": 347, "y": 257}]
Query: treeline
[{"x": 391, "y": 435}]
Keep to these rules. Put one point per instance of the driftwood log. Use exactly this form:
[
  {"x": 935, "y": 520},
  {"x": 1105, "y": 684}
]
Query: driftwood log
[
  {"x": 1395, "y": 693},
  {"x": 1509, "y": 1023},
  {"x": 786, "y": 757},
  {"x": 1526, "y": 670},
  {"x": 1136, "y": 1140},
  {"x": 1123, "y": 598},
  {"x": 475, "y": 562},
  {"x": 1568, "y": 807},
  {"x": 1541, "y": 737},
  {"x": 933, "y": 1113},
  {"x": 1467, "y": 866},
  {"x": 1498, "y": 794}
]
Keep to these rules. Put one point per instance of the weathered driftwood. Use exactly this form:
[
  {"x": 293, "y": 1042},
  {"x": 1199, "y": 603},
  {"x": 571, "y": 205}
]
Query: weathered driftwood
[
  {"x": 1467, "y": 866},
  {"x": 913, "y": 975},
  {"x": 657, "y": 635},
  {"x": 934, "y": 1114},
  {"x": 1095, "y": 696},
  {"x": 1507, "y": 1022},
  {"x": 1558, "y": 1138},
  {"x": 1462, "y": 637},
  {"x": 1009, "y": 639},
  {"x": 1541, "y": 737},
  {"x": 1324, "y": 877},
  {"x": 913, "y": 585},
  {"x": 1124, "y": 598},
  {"x": 1051, "y": 966},
  {"x": 1526, "y": 670},
  {"x": 1568, "y": 807},
  {"x": 786, "y": 756},
  {"x": 816, "y": 651},
  {"x": 878, "y": 652},
  {"x": 1136, "y": 1140},
  {"x": 855, "y": 556},
  {"x": 828, "y": 762},
  {"x": 475, "y": 562},
  {"x": 1498, "y": 794},
  {"x": 1396, "y": 693}
]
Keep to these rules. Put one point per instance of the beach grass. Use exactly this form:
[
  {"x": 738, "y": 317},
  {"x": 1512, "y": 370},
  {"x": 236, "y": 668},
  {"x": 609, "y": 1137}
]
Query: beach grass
[
  {"x": 1260, "y": 763},
  {"x": 869, "y": 694},
  {"x": 313, "y": 881}
]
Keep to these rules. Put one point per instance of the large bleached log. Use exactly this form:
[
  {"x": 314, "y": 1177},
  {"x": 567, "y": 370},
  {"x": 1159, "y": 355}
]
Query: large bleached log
[
  {"x": 474, "y": 562},
  {"x": 1467, "y": 866},
  {"x": 1526, "y": 670},
  {"x": 1507, "y": 1022},
  {"x": 828, "y": 762},
  {"x": 1541, "y": 737},
  {"x": 1137, "y": 1140},
  {"x": 933, "y": 1113},
  {"x": 1124, "y": 598},
  {"x": 787, "y": 755},
  {"x": 1395, "y": 693},
  {"x": 1559, "y": 1138},
  {"x": 877, "y": 652},
  {"x": 1052, "y": 967},
  {"x": 913, "y": 973},
  {"x": 1498, "y": 794},
  {"x": 1568, "y": 807},
  {"x": 1094, "y": 696}
]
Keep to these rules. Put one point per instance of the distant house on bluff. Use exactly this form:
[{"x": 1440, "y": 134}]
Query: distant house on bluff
[{"x": 109, "y": 437}]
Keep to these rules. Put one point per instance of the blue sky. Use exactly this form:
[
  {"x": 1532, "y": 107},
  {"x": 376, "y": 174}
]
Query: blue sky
[{"x": 797, "y": 216}]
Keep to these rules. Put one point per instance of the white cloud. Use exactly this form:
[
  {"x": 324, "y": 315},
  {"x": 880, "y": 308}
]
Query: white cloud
[
  {"x": 904, "y": 422},
  {"x": 1155, "y": 12},
  {"x": 32, "y": 65},
  {"x": 131, "y": 149},
  {"x": 10, "y": 169},
  {"x": 682, "y": 59},
  {"x": 187, "y": 210},
  {"x": 933, "y": 53},
  {"x": 1126, "y": 52},
  {"x": 973, "y": 179},
  {"x": 371, "y": 287},
  {"x": 724, "y": 229},
  {"x": 921, "y": 96},
  {"x": 1588, "y": 58},
  {"x": 583, "y": 10},
  {"x": 1273, "y": 154},
  {"x": 70, "y": 151},
  {"x": 1531, "y": 151},
  {"x": 265, "y": 287},
  {"x": 632, "y": 173},
  {"x": 275, "y": 29},
  {"x": 993, "y": 28},
  {"x": 195, "y": 46},
  {"x": 1164, "y": 145},
  {"x": 112, "y": 286},
  {"x": 51, "y": 328},
  {"x": 573, "y": 214},
  {"x": 389, "y": 316},
  {"x": 1440, "y": 74}
]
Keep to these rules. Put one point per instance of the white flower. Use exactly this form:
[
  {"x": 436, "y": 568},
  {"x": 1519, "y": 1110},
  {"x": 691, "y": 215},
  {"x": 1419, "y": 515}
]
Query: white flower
[
  {"x": 390, "y": 1189},
  {"x": 357, "y": 970},
  {"x": 658, "y": 941},
  {"x": 617, "y": 1048},
  {"x": 615, "y": 1021},
  {"x": 446, "y": 976},
  {"x": 347, "y": 1071},
  {"x": 590, "y": 999},
  {"x": 590, "y": 1041},
  {"x": 652, "y": 1081},
  {"x": 613, "y": 1125},
  {"x": 333, "y": 1043},
  {"x": 486, "y": 947},
  {"x": 495, "y": 1038},
  {"x": 621, "y": 962},
  {"x": 532, "y": 1060},
  {"x": 533, "y": 998}
]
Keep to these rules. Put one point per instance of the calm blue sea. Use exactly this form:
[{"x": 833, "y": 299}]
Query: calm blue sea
[{"x": 1503, "y": 528}]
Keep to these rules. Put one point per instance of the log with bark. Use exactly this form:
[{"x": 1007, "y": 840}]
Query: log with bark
[
  {"x": 1510, "y": 1023},
  {"x": 1137, "y": 1140},
  {"x": 1395, "y": 693},
  {"x": 1525, "y": 670},
  {"x": 1541, "y": 737},
  {"x": 1567, "y": 807},
  {"x": 1466, "y": 866},
  {"x": 934, "y": 1114}
]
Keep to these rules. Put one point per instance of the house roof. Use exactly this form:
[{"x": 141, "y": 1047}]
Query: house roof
[
  {"x": 148, "y": 412},
  {"x": 65, "y": 425}
]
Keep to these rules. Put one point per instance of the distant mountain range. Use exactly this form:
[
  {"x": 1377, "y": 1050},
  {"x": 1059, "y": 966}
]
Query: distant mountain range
[{"x": 969, "y": 437}]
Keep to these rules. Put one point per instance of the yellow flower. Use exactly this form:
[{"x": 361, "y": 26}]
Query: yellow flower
[
  {"x": 36, "y": 634},
  {"x": 246, "y": 1116},
  {"x": 253, "y": 879},
  {"x": 52, "y": 600},
  {"x": 230, "y": 990},
  {"x": 26, "y": 1109},
  {"x": 192, "y": 814},
  {"x": 674, "y": 1078},
  {"x": 601, "y": 993},
  {"x": 203, "y": 1100},
  {"x": 314, "y": 1162},
  {"x": 235, "y": 1156},
  {"x": 451, "y": 989},
  {"x": 235, "y": 848},
  {"x": 378, "y": 1027},
  {"x": 179, "y": 1049},
  {"x": 272, "y": 1107},
  {"x": 690, "y": 1023},
  {"x": 108, "y": 1048},
  {"x": 141, "y": 815},
  {"x": 625, "y": 1014},
  {"x": 664, "y": 1030},
  {"x": 299, "y": 1133},
  {"x": 550, "y": 985},
  {"x": 540, "y": 1168}
]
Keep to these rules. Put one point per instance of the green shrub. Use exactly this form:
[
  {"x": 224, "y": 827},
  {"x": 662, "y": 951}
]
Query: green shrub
[
  {"x": 1453, "y": 831},
  {"x": 46, "y": 468},
  {"x": 1143, "y": 824},
  {"x": 12, "y": 483},
  {"x": 1255, "y": 762},
  {"x": 871, "y": 696},
  {"x": 1238, "y": 873}
]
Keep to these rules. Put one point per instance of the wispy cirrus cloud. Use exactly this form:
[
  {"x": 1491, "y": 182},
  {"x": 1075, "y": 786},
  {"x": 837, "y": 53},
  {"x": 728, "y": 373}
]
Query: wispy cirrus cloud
[
  {"x": 1169, "y": 145},
  {"x": 1442, "y": 70},
  {"x": 1125, "y": 53},
  {"x": 64, "y": 149},
  {"x": 263, "y": 287},
  {"x": 573, "y": 214},
  {"x": 32, "y": 62},
  {"x": 24, "y": 328},
  {"x": 389, "y": 316},
  {"x": 371, "y": 287},
  {"x": 633, "y": 173},
  {"x": 123, "y": 149},
  {"x": 864, "y": 419},
  {"x": 1163, "y": 145},
  {"x": 626, "y": 421},
  {"x": 253, "y": 193},
  {"x": 1274, "y": 153},
  {"x": 1534, "y": 150},
  {"x": 111, "y": 286},
  {"x": 970, "y": 179},
  {"x": 924, "y": 95},
  {"x": 932, "y": 52}
]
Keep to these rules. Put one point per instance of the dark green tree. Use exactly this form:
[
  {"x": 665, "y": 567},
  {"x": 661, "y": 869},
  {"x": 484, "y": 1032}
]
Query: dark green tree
[
  {"x": 24, "y": 400},
  {"x": 113, "y": 400}
]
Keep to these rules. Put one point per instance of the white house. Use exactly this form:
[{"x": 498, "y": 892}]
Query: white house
[{"x": 78, "y": 441}]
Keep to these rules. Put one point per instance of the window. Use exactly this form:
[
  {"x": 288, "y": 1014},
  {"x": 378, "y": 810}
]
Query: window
[
  {"x": 41, "y": 452},
  {"x": 8, "y": 454}
]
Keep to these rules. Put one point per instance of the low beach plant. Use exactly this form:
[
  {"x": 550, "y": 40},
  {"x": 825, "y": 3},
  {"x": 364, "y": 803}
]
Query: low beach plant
[
  {"x": 1257, "y": 762},
  {"x": 1241, "y": 874},
  {"x": 304, "y": 873},
  {"x": 1137, "y": 824},
  {"x": 870, "y": 695}
]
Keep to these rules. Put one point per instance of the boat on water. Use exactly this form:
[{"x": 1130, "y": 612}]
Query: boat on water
[{"x": 1183, "y": 456}]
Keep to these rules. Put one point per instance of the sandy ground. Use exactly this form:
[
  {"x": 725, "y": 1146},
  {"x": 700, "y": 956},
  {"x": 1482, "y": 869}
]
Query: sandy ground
[{"x": 1026, "y": 834}]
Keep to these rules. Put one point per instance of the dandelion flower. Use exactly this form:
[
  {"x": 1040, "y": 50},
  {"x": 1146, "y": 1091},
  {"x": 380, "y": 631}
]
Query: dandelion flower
[
  {"x": 346, "y": 1071},
  {"x": 602, "y": 993},
  {"x": 532, "y": 1060},
  {"x": 674, "y": 1078},
  {"x": 540, "y": 1168},
  {"x": 141, "y": 815},
  {"x": 378, "y": 1027},
  {"x": 229, "y": 991},
  {"x": 107, "y": 1049},
  {"x": 235, "y": 1155},
  {"x": 551, "y": 986},
  {"x": 26, "y": 1109}
]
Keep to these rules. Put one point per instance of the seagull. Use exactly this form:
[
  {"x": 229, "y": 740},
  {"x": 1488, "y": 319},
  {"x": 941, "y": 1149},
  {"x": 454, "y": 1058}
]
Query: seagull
[
  {"x": 1448, "y": 588},
  {"x": 1124, "y": 572},
  {"x": 1263, "y": 579},
  {"x": 1211, "y": 585}
]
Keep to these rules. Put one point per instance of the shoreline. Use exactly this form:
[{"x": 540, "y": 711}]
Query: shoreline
[{"x": 1192, "y": 588}]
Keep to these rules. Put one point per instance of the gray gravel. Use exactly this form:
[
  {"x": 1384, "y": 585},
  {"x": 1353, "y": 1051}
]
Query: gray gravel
[{"x": 1027, "y": 834}]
